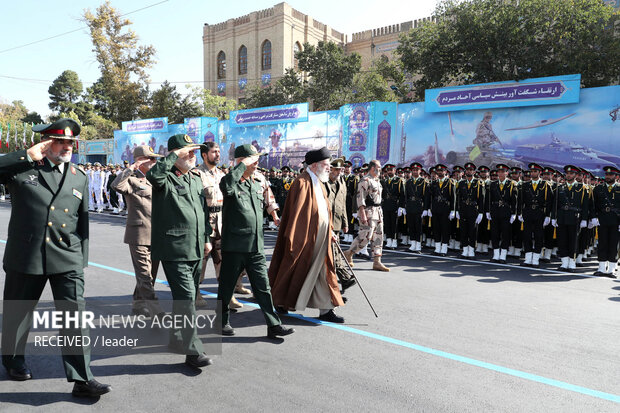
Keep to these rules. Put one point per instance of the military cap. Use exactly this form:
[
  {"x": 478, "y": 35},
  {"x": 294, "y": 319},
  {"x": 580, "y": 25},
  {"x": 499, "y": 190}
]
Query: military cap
[
  {"x": 548, "y": 170},
  {"x": 493, "y": 172},
  {"x": 125, "y": 162},
  {"x": 285, "y": 168},
  {"x": 527, "y": 172},
  {"x": 337, "y": 163},
  {"x": 247, "y": 150},
  {"x": 470, "y": 165},
  {"x": 348, "y": 163},
  {"x": 422, "y": 171},
  {"x": 535, "y": 166},
  {"x": 96, "y": 164},
  {"x": 64, "y": 128},
  {"x": 440, "y": 167},
  {"x": 181, "y": 140},
  {"x": 457, "y": 168},
  {"x": 483, "y": 168},
  {"x": 406, "y": 169},
  {"x": 365, "y": 166},
  {"x": 357, "y": 170},
  {"x": 611, "y": 170},
  {"x": 88, "y": 164},
  {"x": 571, "y": 168},
  {"x": 416, "y": 165},
  {"x": 389, "y": 166},
  {"x": 144, "y": 151},
  {"x": 501, "y": 166},
  {"x": 432, "y": 169},
  {"x": 515, "y": 169},
  {"x": 399, "y": 170}
]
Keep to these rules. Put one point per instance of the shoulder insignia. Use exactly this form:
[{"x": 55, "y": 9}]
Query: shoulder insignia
[{"x": 40, "y": 162}]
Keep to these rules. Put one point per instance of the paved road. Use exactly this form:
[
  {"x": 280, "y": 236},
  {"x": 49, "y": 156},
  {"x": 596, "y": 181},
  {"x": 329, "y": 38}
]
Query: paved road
[{"x": 451, "y": 336}]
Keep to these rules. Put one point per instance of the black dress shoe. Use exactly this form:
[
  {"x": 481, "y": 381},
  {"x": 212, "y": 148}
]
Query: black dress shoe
[
  {"x": 347, "y": 283},
  {"x": 331, "y": 317},
  {"x": 20, "y": 374},
  {"x": 141, "y": 311},
  {"x": 275, "y": 331},
  {"x": 91, "y": 388},
  {"x": 227, "y": 330},
  {"x": 599, "y": 274},
  {"x": 198, "y": 360}
]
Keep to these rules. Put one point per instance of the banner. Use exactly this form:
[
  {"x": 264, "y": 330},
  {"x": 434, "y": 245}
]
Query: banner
[
  {"x": 146, "y": 125},
  {"x": 270, "y": 115},
  {"x": 529, "y": 92}
]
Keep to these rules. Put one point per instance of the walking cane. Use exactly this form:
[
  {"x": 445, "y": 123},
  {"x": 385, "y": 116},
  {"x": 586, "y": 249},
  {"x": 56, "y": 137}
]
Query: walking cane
[{"x": 357, "y": 279}]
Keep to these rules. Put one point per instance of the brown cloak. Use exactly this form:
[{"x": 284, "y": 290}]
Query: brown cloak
[{"x": 292, "y": 255}]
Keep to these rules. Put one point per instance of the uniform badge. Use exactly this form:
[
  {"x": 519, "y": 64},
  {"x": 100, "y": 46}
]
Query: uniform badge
[
  {"x": 73, "y": 171},
  {"x": 188, "y": 139},
  {"x": 32, "y": 180},
  {"x": 77, "y": 194},
  {"x": 177, "y": 172},
  {"x": 68, "y": 131},
  {"x": 40, "y": 162}
]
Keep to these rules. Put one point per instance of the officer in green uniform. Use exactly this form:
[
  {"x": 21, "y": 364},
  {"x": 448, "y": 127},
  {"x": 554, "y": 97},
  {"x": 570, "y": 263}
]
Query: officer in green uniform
[
  {"x": 242, "y": 240},
  {"x": 47, "y": 240},
  {"x": 178, "y": 239}
]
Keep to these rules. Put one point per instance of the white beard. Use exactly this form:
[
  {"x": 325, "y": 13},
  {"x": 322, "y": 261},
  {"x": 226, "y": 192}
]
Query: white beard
[{"x": 323, "y": 176}]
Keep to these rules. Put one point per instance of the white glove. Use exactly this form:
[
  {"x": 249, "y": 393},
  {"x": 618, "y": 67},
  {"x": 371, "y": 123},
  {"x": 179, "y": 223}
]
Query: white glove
[
  {"x": 354, "y": 215},
  {"x": 521, "y": 218},
  {"x": 478, "y": 219},
  {"x": 451, "y": 217},
  {"x": 401, "y": 212},
  {"x": 546, "y": 222},
  {"x": 554, "y": 223},
  {"x": 430, "y": 214},
  {"x": 457, "y": 215},
  {"x": 583, "y": 224},
  {"x": 593, "y": 223},
  {"x": 489, "y": 216},
  {"x": 512, "y": 218},
  {"x": 424, "y": 213},
  {"x": 618, "y": 227}
]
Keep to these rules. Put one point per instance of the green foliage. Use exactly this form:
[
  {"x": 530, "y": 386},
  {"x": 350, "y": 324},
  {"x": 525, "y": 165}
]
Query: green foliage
[
  {"x": 32, "y": 117},
  {"x": 167, "y": 101},
  {"x": 65, "y": 92},
  {"x": 122, "y": 90},
  {"x": 209, "y": 104},
  {"x": 287, "y": 90},
  {"x": 481, "y": 41}
]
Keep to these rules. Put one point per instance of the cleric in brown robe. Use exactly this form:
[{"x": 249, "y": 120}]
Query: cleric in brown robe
[{"x": 302, "y": 272}]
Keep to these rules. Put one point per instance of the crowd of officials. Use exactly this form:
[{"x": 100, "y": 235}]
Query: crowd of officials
[{"x": 208, "y": 211}]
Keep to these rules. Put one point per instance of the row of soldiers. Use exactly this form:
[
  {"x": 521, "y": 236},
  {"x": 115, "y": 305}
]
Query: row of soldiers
[{"x": 540, "y": 211}]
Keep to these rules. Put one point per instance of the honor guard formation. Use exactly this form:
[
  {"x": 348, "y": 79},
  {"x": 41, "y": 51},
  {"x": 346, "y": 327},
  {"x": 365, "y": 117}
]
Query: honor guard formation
[{"x": 327, "y": 213}]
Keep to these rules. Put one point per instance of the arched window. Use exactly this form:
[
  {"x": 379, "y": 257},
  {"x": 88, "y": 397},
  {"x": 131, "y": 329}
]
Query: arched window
[
  {"x": 243, "y": 60},
  {"x": 266, "y": 55},
  {"x": 221, "y": 65},
  {"x": 296, "y": 49}
]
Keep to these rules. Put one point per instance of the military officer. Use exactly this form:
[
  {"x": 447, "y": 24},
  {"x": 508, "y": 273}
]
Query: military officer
[
  {"x": 370, "y": 216},
  {"x": 501, "y": 209},
  {"x": 132, "y": 183},
  {"x": 606, "y": 217},
  {"x": 47, "y": 241},
  {"x": 440, "y": 208},
  {"x": 415, "y": 189},
  {"x": 351, "y": 181},
  {"x": 484, "y": 236},
  {"x": 516, "y": 246},
  {"x": 242, "y": 241},
  {"x": 393, "y": 204},
  {"x": 178, "y": 240},
  {"x": 569, "y": 215},
  {"x": 469, "y": 208},
  {"x": 534, "y": 210},
  {"x": 549, "y": 240},
  {"x": 277, "y": 187},
  {"x": 287, "y": 180}
]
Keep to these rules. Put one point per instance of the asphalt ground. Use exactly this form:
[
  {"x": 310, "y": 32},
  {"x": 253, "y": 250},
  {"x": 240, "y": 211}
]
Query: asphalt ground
[{"x": 451, "y": 336}]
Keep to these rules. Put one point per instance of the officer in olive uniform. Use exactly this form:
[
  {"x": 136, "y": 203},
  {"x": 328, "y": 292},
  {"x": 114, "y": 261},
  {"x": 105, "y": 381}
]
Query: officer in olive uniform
[
  {"x": 440, "y": 208},
  {"x": 569, "y": 215},
  {"x": 606, "y": 216},
  {"x": 534, "y": 210},
  {"x": 469, "y": 208},
  {"x": 242, "y": 241},
  {"x": 415, "y": 190},
  {"x": 179, "y": 238},
  {"x": 501, "y": 209},
  {"x": 47, "y": 241},
  {"x": 393, "y": 204}
]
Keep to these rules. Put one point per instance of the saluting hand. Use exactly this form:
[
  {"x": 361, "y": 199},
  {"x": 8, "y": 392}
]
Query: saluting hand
[
  {"x": 138, "y": 163},
  {"x": 182, "y": 152},
  {"x": 39, "y": 151}
]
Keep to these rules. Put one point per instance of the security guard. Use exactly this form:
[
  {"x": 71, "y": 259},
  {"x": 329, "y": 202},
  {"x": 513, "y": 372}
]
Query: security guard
[
  {"x": 606, "y": 216},
  {"x": 242, "y": 241},
  {"x": 393, "y": 204},
  {"x": 501, "y": 210},
  {"x": 534, "y": 211},
  {"x": 47, "y": 241},
  {"x": 416, "y": 189},
  {"x": 469, "y": 208},
  {"x": 569, "y": 215},
  {"x": 440, "y": 208},
  {"x": 179, "y": 238}
]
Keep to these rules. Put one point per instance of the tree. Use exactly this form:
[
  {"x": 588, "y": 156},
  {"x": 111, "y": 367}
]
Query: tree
[
  {"x": 482, "y": 41},
  {"x": 330, "y": 70},
  {"x": 122, "y": 89},
  {"x": 65, "y": 91},
  {"x": 167, "y": 101},
  {"x": 32, "y": 117},
  {"x": 211, "y": 105},
  {"x": 286, "y": 90}
]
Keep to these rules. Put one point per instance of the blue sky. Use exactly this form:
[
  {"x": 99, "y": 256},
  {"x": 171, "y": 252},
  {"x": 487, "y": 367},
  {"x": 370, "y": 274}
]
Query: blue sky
[{"x": 173, "y": 27}]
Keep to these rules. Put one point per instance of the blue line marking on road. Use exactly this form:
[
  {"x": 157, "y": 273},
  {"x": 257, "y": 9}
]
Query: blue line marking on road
[{"x": 455, "y": 357}]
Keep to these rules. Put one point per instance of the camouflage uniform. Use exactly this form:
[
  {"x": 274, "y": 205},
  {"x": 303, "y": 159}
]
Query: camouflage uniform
[
  {"x": 369, "y": 196},
  {"x": 270, "y": 203},
  {"x": 214, "y": 200}
]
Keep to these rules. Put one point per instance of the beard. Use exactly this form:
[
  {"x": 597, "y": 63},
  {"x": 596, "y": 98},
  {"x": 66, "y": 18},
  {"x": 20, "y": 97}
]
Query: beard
[
  {"x": 61, "y": 157},
  {"x": 323, "y": 176},
  {"x": 187, "y": 164}
]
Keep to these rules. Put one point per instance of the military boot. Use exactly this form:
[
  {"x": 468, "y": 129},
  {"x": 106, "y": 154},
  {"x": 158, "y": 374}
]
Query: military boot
[
  {"x": 348, "y": 255},
  {"x": 377, "y": 265}
]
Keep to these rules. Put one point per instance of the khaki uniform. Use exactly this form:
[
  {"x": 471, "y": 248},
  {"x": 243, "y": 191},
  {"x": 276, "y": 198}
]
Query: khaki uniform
[
  {"x": 369, "y": 196},
  {"x": 214, "y": 200},
  {"x": 138, "y": 193}
]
